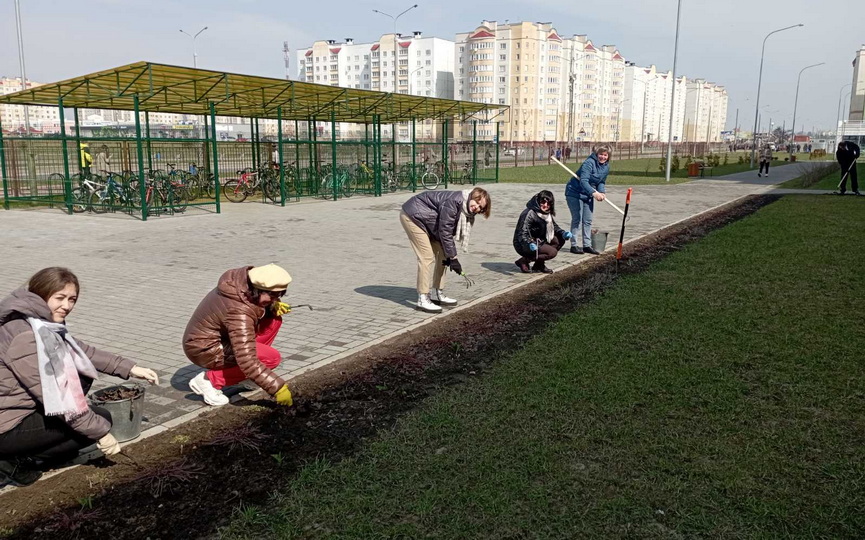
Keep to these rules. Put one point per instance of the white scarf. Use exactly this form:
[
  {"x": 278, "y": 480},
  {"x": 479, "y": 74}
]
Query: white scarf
[
  {"x": 465, "y": 222},
  {"x": 60, "y": 360},
  {"x": 551, "y": 231}
]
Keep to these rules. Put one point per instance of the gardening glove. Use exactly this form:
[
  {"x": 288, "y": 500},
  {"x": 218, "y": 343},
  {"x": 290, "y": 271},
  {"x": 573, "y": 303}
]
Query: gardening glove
[
  {"x": 567, "y": 235},
  {"x": 108, "y": 445},
  {"x": 280, "y": 308},
  {"x": 283, "y": 396},
  {"x": 455, "y": 266},
  {"x": 144, "y": 373},
  {"x": 533, "y": 247}
]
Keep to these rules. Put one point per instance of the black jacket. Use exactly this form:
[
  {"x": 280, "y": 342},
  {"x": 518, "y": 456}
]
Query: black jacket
[
  {"x": 531, "y": 227},
  {"x": 848, "y": 154}
]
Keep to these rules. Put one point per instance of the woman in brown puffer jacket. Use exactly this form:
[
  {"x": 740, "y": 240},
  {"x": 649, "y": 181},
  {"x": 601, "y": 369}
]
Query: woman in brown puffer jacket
[
  {"x": 44, "y": 377},
  {"x": 232, "y": 330}
]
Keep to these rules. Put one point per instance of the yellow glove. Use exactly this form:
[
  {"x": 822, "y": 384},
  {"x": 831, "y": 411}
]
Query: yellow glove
[
  {"x": 283, "y": 396},
  {"x": 280, "y": 308}
]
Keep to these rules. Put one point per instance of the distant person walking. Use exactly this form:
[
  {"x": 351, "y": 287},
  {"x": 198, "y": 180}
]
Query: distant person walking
[
  {"x": 581, "y": 193},
  {"x": 102, "y": 160},
  {"x": 847, "y": 155},
  {"x": 765, "y": 159}
]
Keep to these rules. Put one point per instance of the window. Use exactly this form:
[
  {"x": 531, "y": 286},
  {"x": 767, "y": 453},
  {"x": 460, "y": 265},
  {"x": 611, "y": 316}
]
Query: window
[
  {"x": 501, "y": 79},
  {"x": 503, "y": 57},
  {"x": 428, "y": 52},
  {"x": 428, "y": 73},
  {"x": 503, "y": 46},
  {"x": 429, "y": 62},
  {"x": 503, "y": 69}
]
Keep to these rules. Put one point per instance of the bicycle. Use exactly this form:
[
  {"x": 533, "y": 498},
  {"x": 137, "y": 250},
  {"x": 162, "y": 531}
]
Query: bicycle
[
  {"x": 344, "y": 183},
  {"x": 162, "y": 195},
  {"x": 111, "y": 194},
  {"x": 238, "y": 189},
  {"x": 429, "y": 178},
  {"x": 81, "y": 195}
]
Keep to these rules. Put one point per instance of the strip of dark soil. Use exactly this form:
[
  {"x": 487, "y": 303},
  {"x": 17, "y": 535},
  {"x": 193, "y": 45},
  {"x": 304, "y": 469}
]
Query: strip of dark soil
[
  {"x": 117, "y": 393},
  {"x": 184, "y": 483}
]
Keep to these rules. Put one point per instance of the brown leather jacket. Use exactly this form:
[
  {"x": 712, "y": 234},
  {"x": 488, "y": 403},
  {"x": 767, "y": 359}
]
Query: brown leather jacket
[
  {"x": 221, "y": 332},
  {"x": 20, "y": 384}
]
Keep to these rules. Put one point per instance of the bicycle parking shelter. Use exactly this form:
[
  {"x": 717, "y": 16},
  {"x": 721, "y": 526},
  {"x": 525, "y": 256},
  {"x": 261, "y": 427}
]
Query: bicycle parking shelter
[{"x": 42, "y": 169}]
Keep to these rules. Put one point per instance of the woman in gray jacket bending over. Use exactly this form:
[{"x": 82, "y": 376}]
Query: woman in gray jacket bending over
[
  {"x": 433, "y": 221},
  {"x": 44, "y": 377}
]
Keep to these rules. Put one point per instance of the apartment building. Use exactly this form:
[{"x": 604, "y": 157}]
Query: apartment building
[
  {"x": 705, "y": 111},
  {"x": 415, "y": 65},
  {"x": 646, "y": 107},
  {"x": 556, "y": 87},
  {"x": 857, "y": 93},
  {"x": 12, "y": 116}
]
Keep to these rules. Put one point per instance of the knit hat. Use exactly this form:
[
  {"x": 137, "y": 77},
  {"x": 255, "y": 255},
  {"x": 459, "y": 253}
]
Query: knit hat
[{"x": 269, "y": 278}]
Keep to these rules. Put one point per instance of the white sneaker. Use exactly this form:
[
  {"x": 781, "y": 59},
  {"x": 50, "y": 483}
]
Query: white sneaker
[
  {"x": 437, "y": 296},
  {"x": 425, "y": 304},
  {"x": 201, "y": 386}
]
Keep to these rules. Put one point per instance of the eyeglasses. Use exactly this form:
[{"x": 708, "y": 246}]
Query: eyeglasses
[{"x": 273, "y": 294}]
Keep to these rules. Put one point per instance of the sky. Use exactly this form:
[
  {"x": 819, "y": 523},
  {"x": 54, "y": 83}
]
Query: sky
[{"x": 719, "y": 40}]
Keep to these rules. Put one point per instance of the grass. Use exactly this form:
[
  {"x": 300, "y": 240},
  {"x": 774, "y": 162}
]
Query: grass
[
  {"x": 829, "y": 181},
  {"x": 628, "y": 172},
  {"x": 719, "y": 394}
]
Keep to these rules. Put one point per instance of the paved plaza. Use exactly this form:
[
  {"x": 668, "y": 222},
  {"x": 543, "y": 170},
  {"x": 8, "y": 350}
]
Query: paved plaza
[{"x": 350, "y": 259}]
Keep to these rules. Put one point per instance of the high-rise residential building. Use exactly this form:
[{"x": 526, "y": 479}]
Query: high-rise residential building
[
  {"x": 12, "y": 116},
  {"x": 646, "y": 108},
  {"x": 416, "y": 65},
  {"x": 705, "y": 111},
  {"x": 556, "y": 87}
]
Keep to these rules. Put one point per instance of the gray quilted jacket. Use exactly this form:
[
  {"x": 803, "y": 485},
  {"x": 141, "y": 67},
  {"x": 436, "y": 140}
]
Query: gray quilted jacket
[
  {"x": 20, "y": 387},
  {"x": 437, "y": 213}
]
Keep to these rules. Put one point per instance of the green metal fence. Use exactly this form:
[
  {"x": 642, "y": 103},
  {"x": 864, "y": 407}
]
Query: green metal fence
[{"x": 143, "y": 173}]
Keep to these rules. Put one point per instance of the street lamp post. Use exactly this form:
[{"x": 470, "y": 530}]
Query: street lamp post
[
  {"x": 194, "y": 50},
  {"x": 759, "y": 83},
  {"x": 673, "y": 96},
  {"x": 795, "y": 105},
  {"x": 395, "y": 43}
]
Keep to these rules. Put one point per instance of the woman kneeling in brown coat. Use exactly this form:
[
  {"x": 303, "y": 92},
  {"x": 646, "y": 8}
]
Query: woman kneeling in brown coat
[{"x": 232, "y": 330}]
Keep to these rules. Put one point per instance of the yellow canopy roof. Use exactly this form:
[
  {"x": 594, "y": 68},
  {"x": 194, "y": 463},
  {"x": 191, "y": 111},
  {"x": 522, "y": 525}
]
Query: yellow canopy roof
[{"x": 175, "y": 89}]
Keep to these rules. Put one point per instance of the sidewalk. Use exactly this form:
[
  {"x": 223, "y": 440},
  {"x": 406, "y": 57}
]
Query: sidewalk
[{"x": 349, "y": 259}]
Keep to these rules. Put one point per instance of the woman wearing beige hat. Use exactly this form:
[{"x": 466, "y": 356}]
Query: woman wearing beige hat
[{"x": 231, "y": 333}]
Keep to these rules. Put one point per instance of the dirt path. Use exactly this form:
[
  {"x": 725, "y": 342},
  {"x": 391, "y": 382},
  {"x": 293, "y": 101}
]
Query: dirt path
[{"x": 186, "y": 482}]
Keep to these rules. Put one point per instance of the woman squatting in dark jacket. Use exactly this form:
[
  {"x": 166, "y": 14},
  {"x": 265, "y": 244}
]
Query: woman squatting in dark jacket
[
  {"x": 538, "y": 237},
  {"x": 434, "y": 221},
  {"x": 45, "y": 375}
]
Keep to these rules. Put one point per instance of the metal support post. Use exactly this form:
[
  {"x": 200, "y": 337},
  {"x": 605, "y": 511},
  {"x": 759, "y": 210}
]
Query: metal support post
[
  {"x": 140, "y": 153},
  {"x": 149, "y": 148},
  {"x": 281, "y": 164},
  {"x": 333, "y": 174},
  {"x": 497, "y": 148},
  {"x": 445, "y": 159},
  {"x": 474, "y": 152},
  {"x": 77, "y": 141},
  {"x": 413, "y": 158},
  {"x": 216, "y": 186},
  {"x": 3, "y": 171},
  {"x": 67, "y": 186}
]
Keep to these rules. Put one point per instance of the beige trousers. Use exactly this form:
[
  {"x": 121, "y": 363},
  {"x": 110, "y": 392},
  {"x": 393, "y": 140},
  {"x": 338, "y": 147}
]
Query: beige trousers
[{"x": 429, "y": 253}]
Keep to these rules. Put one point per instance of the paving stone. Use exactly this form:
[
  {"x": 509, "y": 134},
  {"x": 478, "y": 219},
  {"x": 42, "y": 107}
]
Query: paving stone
[{"x": 142, "y": 281}]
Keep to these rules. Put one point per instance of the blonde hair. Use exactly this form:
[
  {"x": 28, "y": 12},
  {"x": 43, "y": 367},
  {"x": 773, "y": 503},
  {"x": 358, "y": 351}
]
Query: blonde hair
[
  {"x": 477, "y": 194},
  {"x": 603, "y": 149}
]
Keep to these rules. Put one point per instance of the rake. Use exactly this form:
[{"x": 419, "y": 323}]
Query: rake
[{"x": 468, "y": 281}]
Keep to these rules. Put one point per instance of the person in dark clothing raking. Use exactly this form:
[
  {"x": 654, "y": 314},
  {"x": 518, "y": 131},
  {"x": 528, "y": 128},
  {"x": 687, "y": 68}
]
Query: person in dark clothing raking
[
  {"x": 537, "y": 236},
  {"x": 847, "y": 156}
]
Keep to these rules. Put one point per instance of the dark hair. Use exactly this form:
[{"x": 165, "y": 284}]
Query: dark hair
[
  {"x": 480, "y": 193},
  {"x": 48, "y": 281},
  {"x": 545, "y": 194}
]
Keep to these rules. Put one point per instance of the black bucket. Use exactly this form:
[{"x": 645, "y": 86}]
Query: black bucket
[{"x": 125, "y": 414}]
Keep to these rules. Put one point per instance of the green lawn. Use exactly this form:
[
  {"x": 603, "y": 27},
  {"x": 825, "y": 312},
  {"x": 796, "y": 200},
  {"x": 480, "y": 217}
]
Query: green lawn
[
  {"x": 830, "y": 181},
  {"x": 719, "y": 394},
  {"x": 628, "y": 172}
]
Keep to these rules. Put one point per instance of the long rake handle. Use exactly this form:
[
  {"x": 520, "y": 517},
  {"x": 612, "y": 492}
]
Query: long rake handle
[
  {"x": 608, "y": 201},
  {"x": 844, "y": 176}
]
